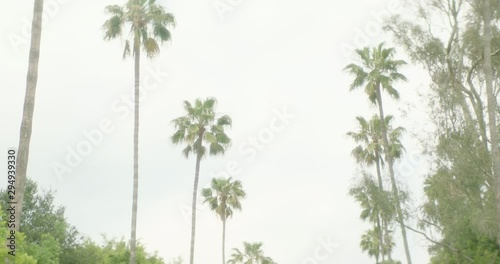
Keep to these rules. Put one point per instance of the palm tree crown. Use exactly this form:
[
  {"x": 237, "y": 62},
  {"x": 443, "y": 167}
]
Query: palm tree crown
[
  {"x": 199, "y": 125},
  {"x": 148, "y": 23},
  {"x": 252, "y": 254},
  {"x": 369, "y": 138},
  {"x": 224, "y": 196},
  {"x": 377, "y": 68}
]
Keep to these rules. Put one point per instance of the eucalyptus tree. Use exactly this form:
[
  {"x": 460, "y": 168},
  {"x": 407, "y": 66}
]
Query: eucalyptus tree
[
  {"x": 147, "y": 24},
  {"x": 379, "y": 71},
  {"x": 492, "y": 105},
  {"x": 28, "y": 110},
  {"x": 223, "y": 197},
  {"x": 462, "y": 181},
  {"x": 199, "y": 128},
  {"x": 251, "y": 254}
]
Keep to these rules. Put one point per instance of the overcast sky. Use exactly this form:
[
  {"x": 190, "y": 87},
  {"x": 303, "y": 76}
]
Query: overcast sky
[{"x": 275, "y": 68}]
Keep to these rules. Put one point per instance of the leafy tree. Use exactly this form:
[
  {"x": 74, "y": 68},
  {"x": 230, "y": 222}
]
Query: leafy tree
[
  {"x": 223, "y": 197},
  {"x": 378, "y": 70},
  {"x": 492, "y": 105},
  {"x": 44, "y": 224},
  {"x": 148, "y": 26},
  {"x": 251, "y": 254},
  {"x": 28, "y": 110},
  {"x": 47, "y": 251},
  {"x": 117, "y": 251},
  {"x": 199, "y": 125},
  {"x": 462, "y": 181},
  {"x": 22, "y": 256},
  {"x": 85, "y": 252}
]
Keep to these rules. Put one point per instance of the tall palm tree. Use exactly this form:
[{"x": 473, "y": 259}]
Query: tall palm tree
[
  {"x": 201, "y": 125},
  {"x": 147, "y": 23},
  {"x": 370, "y": 145},
  {"x": 252, "y": 254},
  {"x": 378, "y": 70},
  {"x": 377, "y": 207},
  {"x": 492, "y": 106},
  {"x": 223, "y": 197},
  {"x": 28, "y": 110},
  {"x": 368, "y": 152}
]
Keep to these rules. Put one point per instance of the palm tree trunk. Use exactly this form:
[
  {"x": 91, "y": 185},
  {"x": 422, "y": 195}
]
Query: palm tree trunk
[
  {"x": 28, "y": 110},
  {"x": 383, "y": 226},
  {"x": 224, "y": 240},
  {"x": 492, "y": 104},
  {"x": 385, "y": 242},
  {"x": 380, "y": 238},
  {"x": 389, "y": 159},
  {"x": 193, "y": 209},
  {"x": 137, "y": 57}
]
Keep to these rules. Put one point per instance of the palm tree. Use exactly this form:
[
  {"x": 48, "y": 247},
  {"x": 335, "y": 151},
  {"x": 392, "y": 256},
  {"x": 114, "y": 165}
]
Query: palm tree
[
  {"x": 492, "y": 106},
  {"x": 378, "y": 70},
  {"x": 252, "y": 254},
  {"x": 224, "y": 196},
  {"x": 148, "y": 28},
  {"x": 377, "y": 206},
  {"x": 371, "y": 244},
  {"x": 199, "y": 125},
  {"x": 369, "y": 139},
  {"x": 28, "y": 110},
  {"x": 368, "y": 152}
]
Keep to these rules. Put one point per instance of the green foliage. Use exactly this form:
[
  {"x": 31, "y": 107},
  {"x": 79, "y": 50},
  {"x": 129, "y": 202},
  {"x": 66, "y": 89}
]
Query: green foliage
[
  {"x": 375, "y": 203},
  {"x": 224, "y": 196},
  {"x": 85, "y": 252},
  {"x": 377, "y": 69},
  {"x": 21, "y": 254},
  {"x": 460, "y": 195},
  {"x": 369, "y": 138},
  {"x": 47, "y": 251},
  {"x": 377, "y": 72},
  {"x": 117, "y": 251},
  {"x": 199, "y": 125},
  {"x": 147, "y": 20},
  {"x": 252, "y": 253},
  {"x": 47, "y": 237}
]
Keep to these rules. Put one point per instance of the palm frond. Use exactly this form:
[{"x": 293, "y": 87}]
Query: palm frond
[
  {"x": 151, "y": 47},
  {"x": 187, "y": 150}
]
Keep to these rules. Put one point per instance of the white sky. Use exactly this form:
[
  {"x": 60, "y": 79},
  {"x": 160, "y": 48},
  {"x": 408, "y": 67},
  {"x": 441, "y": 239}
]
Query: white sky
[{"x": 260, "y": 57}]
